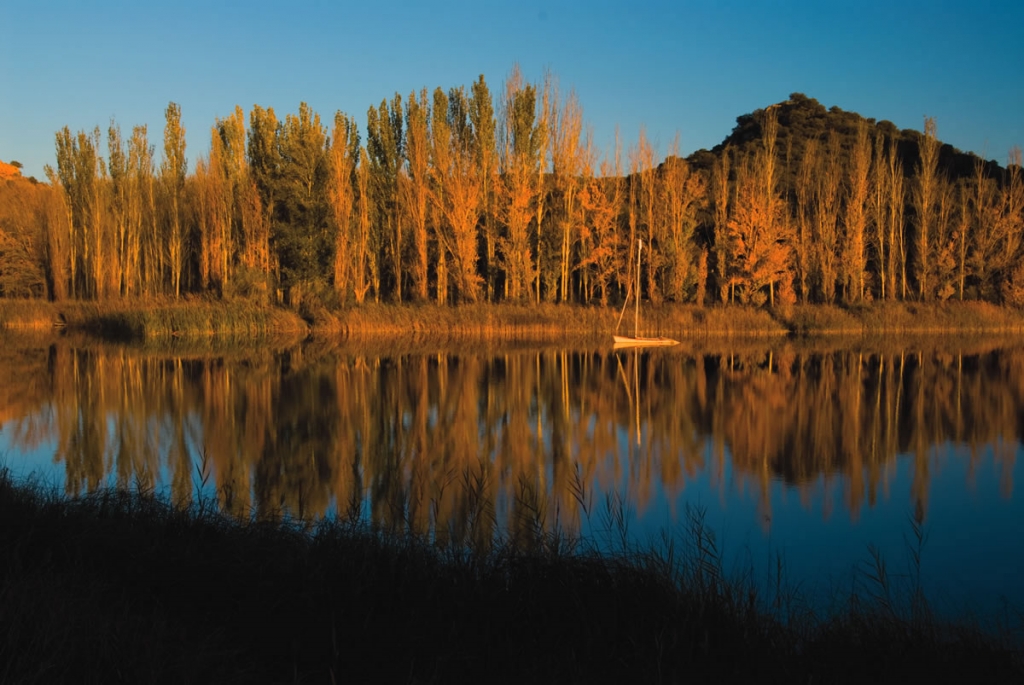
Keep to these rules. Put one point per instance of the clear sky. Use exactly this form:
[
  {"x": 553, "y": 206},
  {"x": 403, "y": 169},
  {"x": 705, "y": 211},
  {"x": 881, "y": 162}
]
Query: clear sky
[{"x": 681, "y": 67}]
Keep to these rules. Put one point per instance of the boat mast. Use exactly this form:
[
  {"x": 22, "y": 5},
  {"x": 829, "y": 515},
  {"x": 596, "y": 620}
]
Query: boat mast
[{"x": 636, "y": 320}]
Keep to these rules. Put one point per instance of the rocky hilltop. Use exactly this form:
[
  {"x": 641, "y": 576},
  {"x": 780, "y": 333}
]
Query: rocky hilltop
[{"x": 9, "y": 170}]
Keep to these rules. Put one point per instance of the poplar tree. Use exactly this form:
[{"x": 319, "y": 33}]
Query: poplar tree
[
  {"x": 172, "y": 174},
  {"x": 204, "y": 195},
  {"x": 724, "y": 248},
  {"x": 602, "y": 199},
  {"x": 566, "y": 125},
  {"x": 416, "y": 186},
  {"x": 117, "y": 164},
  {"x": 440, "y": 163},
  {"x": 878, "y": 216},
  {"x": 481, "y": 116},
  {"x": 59, "y": 235},
  {"x": 894, "y": 206},
  {"x": 804, "y": 194},
  {"x": 229, "y": 167},
  {"x": 343, "y": 155},
  {"x": 1011, "y": 230},
  {"x": 925, "y": 192},
  {"x": 757, "y": 223},
  {"x": 646, "y": 177},
  {"x": 367, "y": 273},
  {"x": 261, "y": 193},
  {"x": 827, "y": 239},
  {"x": 142, "y": 214},
  {"x": 80, "y": 172},
  {"x": 384, "y": 144},
  {"x": 682, "y": 193},
  {"x": 521, "y": 147},
  {"x": 854, "y": 255},
  {"x": 457, "y": 190}
]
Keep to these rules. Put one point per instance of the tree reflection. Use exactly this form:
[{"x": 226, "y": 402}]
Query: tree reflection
[{"x": 464, "y": 446}]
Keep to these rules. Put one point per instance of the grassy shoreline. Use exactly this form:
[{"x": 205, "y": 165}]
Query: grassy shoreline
[
  {"x": 121, "y": 587},
  {"x": 201, "y": 318}
]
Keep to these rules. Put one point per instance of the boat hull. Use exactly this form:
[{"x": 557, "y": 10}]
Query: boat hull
[{"x": 630, "y": 341}]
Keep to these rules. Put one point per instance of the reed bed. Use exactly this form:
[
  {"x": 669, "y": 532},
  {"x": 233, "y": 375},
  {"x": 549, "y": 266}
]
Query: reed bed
[
  {"x": 902, "y": 318},
  {"x": 28, "y": 315},
  {"x": 198, "y": 318},
  {"x": 547, "y": 322},
  {"x": 119, "y": 586}
]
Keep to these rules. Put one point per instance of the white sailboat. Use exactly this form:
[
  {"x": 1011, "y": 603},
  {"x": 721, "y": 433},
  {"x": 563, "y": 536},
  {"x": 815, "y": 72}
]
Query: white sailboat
[{"x": 636, "y": 340}]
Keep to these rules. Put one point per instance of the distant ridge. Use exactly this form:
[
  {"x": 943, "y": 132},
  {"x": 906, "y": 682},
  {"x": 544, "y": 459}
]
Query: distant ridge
[{"x": 802, "y": 118}]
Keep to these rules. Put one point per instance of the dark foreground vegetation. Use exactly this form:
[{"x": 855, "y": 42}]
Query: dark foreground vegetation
[{"x": 116, "y": 587}]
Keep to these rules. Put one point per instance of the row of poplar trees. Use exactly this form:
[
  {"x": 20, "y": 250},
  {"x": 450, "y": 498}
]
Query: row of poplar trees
[{"x": 451, "y": 199}]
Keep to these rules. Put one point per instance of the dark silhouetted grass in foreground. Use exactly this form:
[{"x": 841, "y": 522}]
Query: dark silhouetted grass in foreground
[{"x": 119, "y": 587}]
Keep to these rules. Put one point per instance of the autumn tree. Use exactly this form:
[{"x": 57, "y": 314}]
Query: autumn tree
[
  {"x": 261, "y": 192},
  {"x": 724, "y": 247},
  {"x": 887, "y": 207},
  {"x": 984, "y": 259},
  {"x": 366, "y": 273},
  {"x": 602, "y": 200},
  {"x": 80, "y": 172},
  {"x": 173, "y": 170},
  {"x": 854, "y": 255},
  {"x": 681, "y": 195},
  {"x": 566, "y": 126},
  {"x": 546, "y": 261},
  {"x": 643, "y": 194},
  {"x": 456, "y": 185},
  {"x": 415, "y": 186},
  {"x": 896, "y": 203},
  {"x": 804, "y": 192},
  {"x": 827, "y": 235},
  {"x": 481, "y": 116},
  {"x": 757, "y": 223},
  {"x": 521, "y": 147},
  {"x": 59, "y": 228},
  {"x": 342, "y": 157},
  {"x": 962, "y": 238},
  {"x": 203, "y": 189},
  {"x": 924, "y": 197},
  {"x": 1012, "y": 227},
  {"x": 120, "y": 188},
  {"x": 228, "y": 165},
  {"x": 945, "y": 240},
  {"x": 22, "y": 238}
]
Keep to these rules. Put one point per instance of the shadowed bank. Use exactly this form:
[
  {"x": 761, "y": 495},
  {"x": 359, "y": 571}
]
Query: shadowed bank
[{"x": 119, "y": 587}]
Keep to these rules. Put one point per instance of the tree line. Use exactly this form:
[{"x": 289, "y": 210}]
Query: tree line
[{"x": 458, "y": 196}]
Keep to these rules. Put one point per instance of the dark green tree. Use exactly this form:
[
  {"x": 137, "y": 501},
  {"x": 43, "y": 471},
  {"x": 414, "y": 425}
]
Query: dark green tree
[
  {"x": 384, "y": 143},
  {"x": 300, "y": 230}
]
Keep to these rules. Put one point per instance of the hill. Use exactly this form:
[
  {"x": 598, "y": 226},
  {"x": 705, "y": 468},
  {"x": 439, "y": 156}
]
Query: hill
[
  {"x": 803, "y": 118},
  {"x": 9, "y": 170}
]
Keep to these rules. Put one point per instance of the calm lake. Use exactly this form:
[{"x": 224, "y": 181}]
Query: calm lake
[{"x": 812, "y": 453}]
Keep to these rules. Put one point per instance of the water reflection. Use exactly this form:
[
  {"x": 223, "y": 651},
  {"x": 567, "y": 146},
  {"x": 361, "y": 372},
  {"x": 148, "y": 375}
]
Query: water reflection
[{"x": 462, "y": 443}]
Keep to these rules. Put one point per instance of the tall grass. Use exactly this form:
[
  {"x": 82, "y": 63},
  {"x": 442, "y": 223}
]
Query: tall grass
[
  {"x": 196, "y": 318},
  {"x": 127, "y": 587}
]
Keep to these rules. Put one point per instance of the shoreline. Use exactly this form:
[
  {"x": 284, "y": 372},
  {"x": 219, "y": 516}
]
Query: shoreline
[
  {"x": 202, "y": 318},
  {"x": 128, "y": 583}
]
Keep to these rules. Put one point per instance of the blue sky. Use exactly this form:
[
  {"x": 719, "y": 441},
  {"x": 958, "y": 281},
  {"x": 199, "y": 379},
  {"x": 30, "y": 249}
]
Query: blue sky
[{"x": 674, "y": 67}]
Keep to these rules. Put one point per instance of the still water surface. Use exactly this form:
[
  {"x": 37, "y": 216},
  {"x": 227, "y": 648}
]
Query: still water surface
[{"x": 810, "y": 454}]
